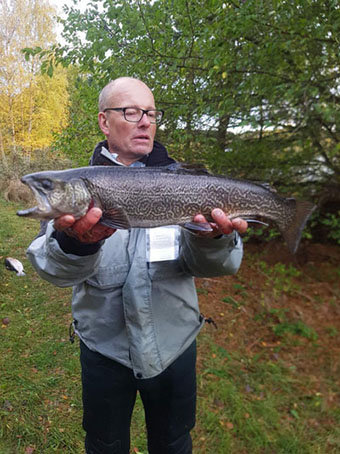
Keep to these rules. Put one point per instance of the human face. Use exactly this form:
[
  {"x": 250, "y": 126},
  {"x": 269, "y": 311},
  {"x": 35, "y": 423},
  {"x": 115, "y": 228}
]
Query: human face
[{"x": 131, "y": 141}]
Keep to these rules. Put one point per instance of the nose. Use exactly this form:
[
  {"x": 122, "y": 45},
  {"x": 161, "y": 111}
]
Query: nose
[{"x": 144, "y": 121}]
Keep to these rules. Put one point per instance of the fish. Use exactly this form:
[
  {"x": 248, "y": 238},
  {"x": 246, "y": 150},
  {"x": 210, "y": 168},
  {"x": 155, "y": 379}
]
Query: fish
[
  {"x": 12, "y": 264},
  {"x": 134, "y": 197}
]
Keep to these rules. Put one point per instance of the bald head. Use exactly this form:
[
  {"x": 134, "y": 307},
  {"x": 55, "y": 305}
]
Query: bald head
[{"x": 114, "y": 89}]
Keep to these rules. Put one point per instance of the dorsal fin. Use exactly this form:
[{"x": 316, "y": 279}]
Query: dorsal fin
[{"x": 184, "y": 168}]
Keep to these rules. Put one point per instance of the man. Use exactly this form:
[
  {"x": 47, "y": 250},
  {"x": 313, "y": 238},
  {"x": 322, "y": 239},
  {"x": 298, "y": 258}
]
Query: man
[{"x": 134, "y": 301}]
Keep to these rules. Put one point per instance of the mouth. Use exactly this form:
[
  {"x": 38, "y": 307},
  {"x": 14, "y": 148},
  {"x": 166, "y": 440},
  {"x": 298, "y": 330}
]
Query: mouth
[
  {"x": 142, "y": 137},
  {"x": 43, "y": 207}
]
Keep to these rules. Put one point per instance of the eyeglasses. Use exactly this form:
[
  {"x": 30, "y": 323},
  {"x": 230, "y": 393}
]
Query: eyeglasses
[{"x": 135, "y": 114}]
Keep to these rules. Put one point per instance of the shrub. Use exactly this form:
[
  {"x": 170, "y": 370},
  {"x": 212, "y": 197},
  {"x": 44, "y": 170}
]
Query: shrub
[{"x": 17, "y": 165}]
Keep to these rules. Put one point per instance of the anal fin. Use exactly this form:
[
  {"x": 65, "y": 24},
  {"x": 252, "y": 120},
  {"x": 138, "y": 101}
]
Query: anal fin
[{"x": 198, "y": 226}]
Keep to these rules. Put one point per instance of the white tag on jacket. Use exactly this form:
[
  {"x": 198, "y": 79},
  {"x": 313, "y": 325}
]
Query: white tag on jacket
[{"x": 162, "y": 243}]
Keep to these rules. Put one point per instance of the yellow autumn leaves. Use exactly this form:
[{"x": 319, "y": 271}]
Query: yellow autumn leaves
[{"x": 33, "y": 107}]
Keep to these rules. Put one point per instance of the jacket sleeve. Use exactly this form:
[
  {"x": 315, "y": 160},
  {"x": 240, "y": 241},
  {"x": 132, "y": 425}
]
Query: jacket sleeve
[
  {"x": 58, "y": 267},
  {"x": 206, "y": 257}
]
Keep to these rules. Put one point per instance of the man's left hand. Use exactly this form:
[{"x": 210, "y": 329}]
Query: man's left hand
[{"x": 222, "y": 224}]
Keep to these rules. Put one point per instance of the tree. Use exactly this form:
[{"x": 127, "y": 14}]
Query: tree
[
  {"x": 249, "y": 87},
  {"x": 77, "y": 140},
  {"x": 33, "y": 107}
]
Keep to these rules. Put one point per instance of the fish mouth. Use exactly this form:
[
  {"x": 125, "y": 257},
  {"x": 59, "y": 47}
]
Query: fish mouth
[{"x": 43, "y": 208}]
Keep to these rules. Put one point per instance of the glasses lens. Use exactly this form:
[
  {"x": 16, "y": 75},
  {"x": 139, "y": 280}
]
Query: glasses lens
[
  {"x": 134, "y": 114},
  {"x": 157, "y": 115}
]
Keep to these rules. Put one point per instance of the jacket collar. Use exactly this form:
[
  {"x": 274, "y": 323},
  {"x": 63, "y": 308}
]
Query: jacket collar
[{"x": 157, "y": 158}]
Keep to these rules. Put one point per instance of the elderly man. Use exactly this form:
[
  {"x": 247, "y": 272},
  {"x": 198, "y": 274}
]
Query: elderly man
[{"x": 135, "y": 309}]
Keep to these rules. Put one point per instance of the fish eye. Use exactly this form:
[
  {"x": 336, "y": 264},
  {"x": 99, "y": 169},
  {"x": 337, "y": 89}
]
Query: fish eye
[{"x": 46, "y": 184}]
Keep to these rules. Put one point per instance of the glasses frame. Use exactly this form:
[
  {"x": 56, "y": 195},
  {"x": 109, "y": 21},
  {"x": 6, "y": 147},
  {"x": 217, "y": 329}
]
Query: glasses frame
[{"x": 144, "y": 111}]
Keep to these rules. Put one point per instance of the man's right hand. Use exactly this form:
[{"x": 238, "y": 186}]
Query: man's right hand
[{"x": 87, "y": 229}]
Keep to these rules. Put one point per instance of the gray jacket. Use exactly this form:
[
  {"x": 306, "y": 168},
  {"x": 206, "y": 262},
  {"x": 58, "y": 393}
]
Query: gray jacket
[{"x": 142, "y": 314}]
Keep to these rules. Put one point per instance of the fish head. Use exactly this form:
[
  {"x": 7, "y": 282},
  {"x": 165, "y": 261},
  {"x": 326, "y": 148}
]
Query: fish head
[{"x": 56, "y": 195}]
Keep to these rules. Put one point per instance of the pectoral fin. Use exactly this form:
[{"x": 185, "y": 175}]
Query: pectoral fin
[{"x": 116, "y": 218}]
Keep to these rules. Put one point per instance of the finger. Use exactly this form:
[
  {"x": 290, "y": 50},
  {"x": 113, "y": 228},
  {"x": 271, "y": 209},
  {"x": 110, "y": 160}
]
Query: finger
[
  {"x": 64, "y": 222},
  {"x": 88, "y": 221},
  {"x": 102, "y": 230},
  {"x": 223, "y": 222},
  {"x": 240, "y": 225},
  {"x": 199, "y": 218},
  {"x": 97, "y": 233}
]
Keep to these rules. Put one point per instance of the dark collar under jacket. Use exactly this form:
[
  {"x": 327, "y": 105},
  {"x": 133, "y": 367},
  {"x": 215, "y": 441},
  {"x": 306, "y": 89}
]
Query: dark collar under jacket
[{"x": 157, "y": 158}]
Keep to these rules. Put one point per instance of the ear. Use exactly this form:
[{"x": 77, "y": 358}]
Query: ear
[{"x": 103, "y": 124}]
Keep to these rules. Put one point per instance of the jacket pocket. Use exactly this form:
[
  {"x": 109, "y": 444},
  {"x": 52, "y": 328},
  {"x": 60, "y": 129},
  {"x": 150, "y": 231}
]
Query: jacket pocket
[
  {"x": 109, "y": 277},
  {"x": 165, "y": 270}
]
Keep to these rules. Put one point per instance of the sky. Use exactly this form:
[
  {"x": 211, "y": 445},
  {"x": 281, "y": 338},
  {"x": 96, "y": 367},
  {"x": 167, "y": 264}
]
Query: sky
[{"x": 60, "y": 3}]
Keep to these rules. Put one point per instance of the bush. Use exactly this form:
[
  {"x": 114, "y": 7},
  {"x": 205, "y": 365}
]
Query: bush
[
  {"x": 332, "y": 222},
  {"x": 18, "y": 164}
]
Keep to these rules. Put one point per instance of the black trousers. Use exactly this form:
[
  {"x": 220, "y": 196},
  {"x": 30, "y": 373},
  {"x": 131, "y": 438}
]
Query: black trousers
[{"x": 109, "y": 395}]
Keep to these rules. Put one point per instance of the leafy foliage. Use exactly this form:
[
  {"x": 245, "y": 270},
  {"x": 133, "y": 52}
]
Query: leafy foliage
[
  {"x": 249, "y": 88},
  {"x": 77, "y": 140},
  {"x": 271, "y": 66},
  {"x": 33, "y": 106},
  {"x": 332, "y": 221}
]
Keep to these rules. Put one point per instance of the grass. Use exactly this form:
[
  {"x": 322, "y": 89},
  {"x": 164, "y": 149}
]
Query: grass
[
  {"x": 251, "y": 405},
  {"x": 248, "y": 403}
]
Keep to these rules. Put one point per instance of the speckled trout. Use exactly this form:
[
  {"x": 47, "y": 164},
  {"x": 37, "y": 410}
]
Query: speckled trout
[{"x": 152, "y": 197}]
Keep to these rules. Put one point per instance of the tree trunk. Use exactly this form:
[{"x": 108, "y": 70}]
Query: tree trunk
[
  {"x": 222, "y": 132},
  {"x": 2, "y": 149}
]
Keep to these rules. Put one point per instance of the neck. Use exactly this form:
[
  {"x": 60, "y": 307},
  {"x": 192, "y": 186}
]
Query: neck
[{"x": 126, "y": 161}]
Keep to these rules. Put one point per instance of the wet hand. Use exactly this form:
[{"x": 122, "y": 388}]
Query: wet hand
[
  {"x": 87, "y": 229},
  {"x": 222, "y": 224}
]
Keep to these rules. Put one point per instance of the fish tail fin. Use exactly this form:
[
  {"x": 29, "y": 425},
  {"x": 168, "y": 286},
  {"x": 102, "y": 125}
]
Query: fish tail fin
[{"x": 292, "y": 231}]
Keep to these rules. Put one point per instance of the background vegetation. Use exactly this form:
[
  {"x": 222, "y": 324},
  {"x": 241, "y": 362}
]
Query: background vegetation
[
  {"x": 251, "y": 90},
  {"x": 33, "y": 106}
]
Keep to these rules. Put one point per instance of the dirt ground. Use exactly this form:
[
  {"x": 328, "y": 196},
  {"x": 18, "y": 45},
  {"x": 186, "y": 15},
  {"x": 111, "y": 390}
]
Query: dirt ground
[{"x": 267, "y": 294}]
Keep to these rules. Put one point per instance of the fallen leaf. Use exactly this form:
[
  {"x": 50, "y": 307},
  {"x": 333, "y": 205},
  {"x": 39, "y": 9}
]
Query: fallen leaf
[{"x": 30, "y": 450}]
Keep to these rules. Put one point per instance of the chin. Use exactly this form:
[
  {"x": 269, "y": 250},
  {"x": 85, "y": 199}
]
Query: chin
[{"x": 142, "y": 151}]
